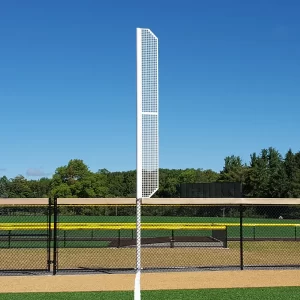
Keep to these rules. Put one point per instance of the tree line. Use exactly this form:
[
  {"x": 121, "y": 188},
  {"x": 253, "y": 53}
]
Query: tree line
[{"x": 267, "y": 174}]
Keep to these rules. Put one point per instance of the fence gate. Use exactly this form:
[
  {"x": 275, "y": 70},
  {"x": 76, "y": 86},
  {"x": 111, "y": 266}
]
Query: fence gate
[
  {"x": 91, "y": 236},
  {"x": 25, "y": 235}
]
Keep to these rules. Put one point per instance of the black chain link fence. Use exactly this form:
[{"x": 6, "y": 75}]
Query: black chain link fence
[
  {"x": 271, "y": 236},
  {"x": 25, "y": 238},
  {"x": 102, "y": 238},
  {"x": 96, "y": 237},
  {"x": 186, "y": 237}
]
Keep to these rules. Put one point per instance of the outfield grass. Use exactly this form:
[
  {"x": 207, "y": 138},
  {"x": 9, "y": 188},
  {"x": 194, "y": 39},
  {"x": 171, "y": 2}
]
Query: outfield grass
[
  {"x": 224, "y": 294},
  {"x": 150, "y": 219},
  {"x": 233, "y": 230}
]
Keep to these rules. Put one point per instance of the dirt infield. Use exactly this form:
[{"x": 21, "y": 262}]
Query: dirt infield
[
  {"x": 150, "y": 281},
  {"x": 255, "y": 253}
]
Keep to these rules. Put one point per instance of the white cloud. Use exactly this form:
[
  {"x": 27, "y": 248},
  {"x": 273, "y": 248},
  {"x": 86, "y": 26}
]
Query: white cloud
[{"x": 36, "y": 172}]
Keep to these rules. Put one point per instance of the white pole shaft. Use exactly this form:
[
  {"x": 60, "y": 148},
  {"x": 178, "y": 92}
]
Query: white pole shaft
[
  {"x": 139, "y": 114},
  {"x": 137, "y": 285}
]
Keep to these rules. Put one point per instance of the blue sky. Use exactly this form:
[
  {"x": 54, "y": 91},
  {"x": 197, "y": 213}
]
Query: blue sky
[{"x": 229, "y": 82}]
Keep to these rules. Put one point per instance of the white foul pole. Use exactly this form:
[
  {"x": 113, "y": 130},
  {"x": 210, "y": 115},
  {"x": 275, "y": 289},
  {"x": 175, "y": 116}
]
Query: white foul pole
[
  {"x": 139, "y": 158},
  {"x": 147, "y": 132}
]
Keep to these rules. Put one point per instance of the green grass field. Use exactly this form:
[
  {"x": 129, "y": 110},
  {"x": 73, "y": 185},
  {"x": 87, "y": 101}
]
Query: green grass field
[
  {"x": 224, "y": 294},
  {"x": 150, "y": 219},
  {"x": 233, "y": 230}
]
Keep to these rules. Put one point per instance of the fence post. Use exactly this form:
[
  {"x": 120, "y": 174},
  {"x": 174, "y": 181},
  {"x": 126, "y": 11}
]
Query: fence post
[
  {"x": 49, "y": 235},
  {"x": 55, "y": 238},
  {"x": 172, "y": 239},
  {"x": 241, "y": 239},
  {"x": 9, "y": 238},
  {"x": 119, "y": 238},
  {"x": 225, "y": 245}
]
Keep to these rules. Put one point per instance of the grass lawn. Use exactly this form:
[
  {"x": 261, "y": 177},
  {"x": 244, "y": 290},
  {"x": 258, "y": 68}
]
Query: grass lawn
[
  {"x": 224, "y": 294},
  {"x": 132, "y": 219},
  {"x": 233, "y": 230}
]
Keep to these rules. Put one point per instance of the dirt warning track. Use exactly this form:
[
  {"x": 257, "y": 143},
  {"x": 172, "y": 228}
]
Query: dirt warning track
[{"x": 150, "y": 281}]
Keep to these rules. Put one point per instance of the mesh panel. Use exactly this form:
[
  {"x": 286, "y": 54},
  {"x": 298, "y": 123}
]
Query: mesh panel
[
  {"x": 149, "y": 113},
  {"x": 150, "y": 155},
  {"x": 149, "y": 72}
]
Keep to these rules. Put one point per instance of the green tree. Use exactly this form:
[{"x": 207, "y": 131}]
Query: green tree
[
  {"x": 62, "y": 191},
  {"x": 40, "y": 188},
  {"x": 209, "y": 176},
  {"x": 19, "y": 187},
  {"x": 234, "y": 170},
  {"x": 278, "y": 178},
  {"x": 100, "y": 184},
  {"x": 292, "y": 169},
  {"x": 73, "y": 180},
  {"x": 266, "y": 177},
  {"x": 4, "y": 187}
]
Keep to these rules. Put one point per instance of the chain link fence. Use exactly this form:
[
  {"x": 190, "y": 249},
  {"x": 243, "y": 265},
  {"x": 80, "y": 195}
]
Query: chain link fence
[
  {"x": 186, "y": 236},
  {"x": 25, "y": 237},
  {"x": 103, "y": 237},
  {"x": 56, "y": 237},
  {"x": 271, "y": 236},
  {"x": 95, "y": 237}
]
